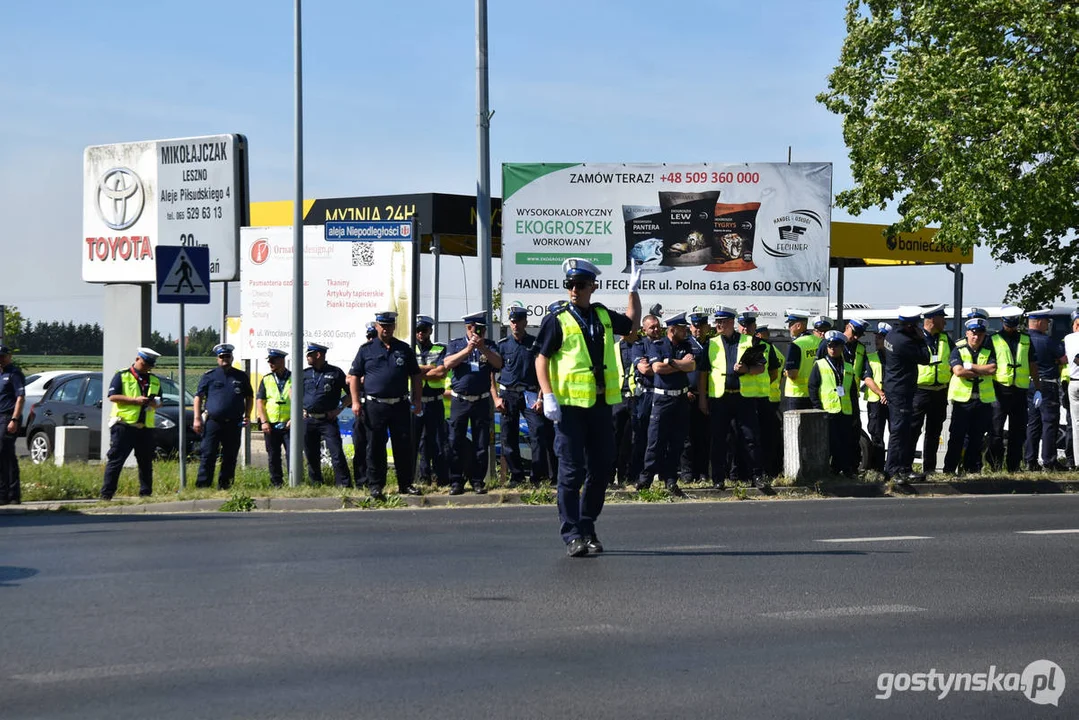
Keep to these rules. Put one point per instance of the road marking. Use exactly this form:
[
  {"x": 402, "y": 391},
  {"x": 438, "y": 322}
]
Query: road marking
[
  {"x": 890, "y": 538},
  {"x": 840, "y": 612},
  {"x": 1047, "y": 532},
  {"x": 1064, "y": 599},
  {"x": 688, "y": 548},
  {"x": 148, "y": 668}
]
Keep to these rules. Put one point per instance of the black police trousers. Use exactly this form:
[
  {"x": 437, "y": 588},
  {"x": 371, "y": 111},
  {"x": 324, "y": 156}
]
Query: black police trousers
[
  {"x": 429, "y": 441},
  {"x": 770, "y": 421},
  {"x": 930, "y": 409},
  {"x": 735, "y": 434},
  {"x": 10, "y": 484},
  {"x": 584, "y": 442},
  {"x": 667, "y": 425},
  {"x": 123, "y": 439},
  {"x": 1009, "y": 409},
  {"x": 693, "y": 464},
  {"x": 276, "y": 439},
  {"x": 394, "y": 420},
  {"x": 642, "y": 411},
  {"x": 900, "y": 458},
  {"x": 970, "y": 421},
  {"x": 840, "y": 447},
  {"x": 877, "y": 421},
  {"x": 223, "y": 436},
  {"x": 469, "y": 455},
  {"x": 315, "y": 431},
  {"x": 1043, "y": 426},
  {"x": 624, "y": 420},
  {"x": 359, "y": 448},
  {"x": 513, "y": 406}
]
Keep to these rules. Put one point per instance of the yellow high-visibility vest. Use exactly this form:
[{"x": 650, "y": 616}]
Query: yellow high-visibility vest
[
  {"x": 1012, "y": 372},
  {"x": 572, "y": 379},
  {"x": 749, "y": 385},
  {"x": 961, "y": 389},
  {"x": 939, "y": 372},
  {"x": 799, "y": 387},
  {"x": 128, "y": 413},
  {"x": 278, "y": 402},
  {"x": 829, "y": 390}
]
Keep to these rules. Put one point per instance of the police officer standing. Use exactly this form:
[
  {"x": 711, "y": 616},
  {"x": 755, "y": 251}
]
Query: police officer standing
[
  {"x": 12, "y": 397},
  {"x": 644, "y": 377},
  {"x": 1016, "y": 370},
  {"x": 429, "y": 428},
  {"x": 135, "y": 394},
  {"x": 931, "y": 397},
  {"x": 389, "y": 371},
  {"x": 359, "y": 428},
  {"x": 971, "y": 394},
  {"x": 516, "y": 394},
  {"x": 1043, "y": 396},
  {"x": 801, "y": 355},
  {"x": 770, "y": 415},
  {"x": 472, "y": 359},
  {"x": 695, "y": 453},
  {"x": 672, "y": 360},
  {"x": 578, "y": 376},
  {"x": 831, "y": 387},
  {"x": 876, "y": 399},
  {"x": 855, "y": 354},
  {"x": 905, "y": 349},
  {"x": 273, "y": 404},
  {"x": 733, "y": 379},
  {"x": 325, "y": 390},
  {"x": 226, "y": 396},
  {"x": 624, "y": 415}
]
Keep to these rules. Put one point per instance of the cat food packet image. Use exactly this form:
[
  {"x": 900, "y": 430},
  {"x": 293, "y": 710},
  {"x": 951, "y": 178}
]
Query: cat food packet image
[
  {"x": 644, "y": 237},
  {"x": 734, "y": 229},
  {"x": 689, "y": 220}
]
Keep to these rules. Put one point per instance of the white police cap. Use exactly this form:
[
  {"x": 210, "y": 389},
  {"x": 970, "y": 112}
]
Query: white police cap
[
  {"x": 909, "y": 313},
  {"x": 574, "y": 267},
  {"x": 149, "y": 355},
  {"x": 1040, "y": 313}
]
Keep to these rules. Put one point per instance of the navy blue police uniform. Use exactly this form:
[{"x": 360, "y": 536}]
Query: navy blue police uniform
[
  {"x": 470, "y": 386},
  {"x": 387, "y": 370},
  {"x": 693, "y": 465},
  {"x": 905, "y": 349},
  {"x": 324, "y": 392},
  {"x": 623, "y": 417},
  {"x": 518, "y": 389},
  {"x": 429, "y": 430},
  {"x": 276, "y": 438},
  {"x": 12, "y": 387},
  {"x": 1010, "y": 407},
  {"x": 840, "y": 431},
  {"x": 642, "y": 410},
  {"x": 931, "y": 397},
  {"x": 769, "y": 415},
  {"x": 359, "y": 427},
  {"x": 877, "y": 412},
  {"x": 670, "y": 413},
  {"x": 228, "y": 396},
  {"x": 1043, "y": 421}
]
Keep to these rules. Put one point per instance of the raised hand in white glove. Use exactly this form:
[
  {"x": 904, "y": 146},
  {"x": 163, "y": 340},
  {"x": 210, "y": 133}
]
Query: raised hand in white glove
[
  {"x": 551, "y": 409},
  {"x": 634, "y": 276}
]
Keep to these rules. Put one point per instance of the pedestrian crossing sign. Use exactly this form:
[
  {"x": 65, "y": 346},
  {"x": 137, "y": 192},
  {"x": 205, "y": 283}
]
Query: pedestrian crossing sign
[{"x": 183, "y": 274}]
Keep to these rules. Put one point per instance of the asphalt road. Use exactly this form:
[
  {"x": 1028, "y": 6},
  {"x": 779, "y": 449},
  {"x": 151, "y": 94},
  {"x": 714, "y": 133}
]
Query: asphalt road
[{"x": 701, "y": 610}]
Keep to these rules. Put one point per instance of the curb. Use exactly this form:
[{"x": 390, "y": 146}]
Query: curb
[{"x": 323, "y": 504}]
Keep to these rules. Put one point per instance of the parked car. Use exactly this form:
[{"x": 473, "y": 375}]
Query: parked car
[
  {"x": 75, "y": 398},
  {"x": 36, "y": 385}
]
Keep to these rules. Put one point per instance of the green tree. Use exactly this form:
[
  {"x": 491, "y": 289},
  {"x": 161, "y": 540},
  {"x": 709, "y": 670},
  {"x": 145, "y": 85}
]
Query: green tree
[
  {"x": 13, "y": 324},
  {"x": 201, "y": 342},
  {"x": 965, "y": 114}
]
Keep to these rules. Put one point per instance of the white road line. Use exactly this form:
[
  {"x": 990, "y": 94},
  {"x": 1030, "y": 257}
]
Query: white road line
[
  {"x": 688, "y": 548},
  {"x": 839, "y": 612},
  {"x": 1047, "y": 532},
  {"x": 891, "y": 538},
  {"x": 102, "y": 672}
]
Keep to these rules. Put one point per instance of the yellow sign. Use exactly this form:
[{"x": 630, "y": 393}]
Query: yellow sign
[{"x": 867, "y": 242}]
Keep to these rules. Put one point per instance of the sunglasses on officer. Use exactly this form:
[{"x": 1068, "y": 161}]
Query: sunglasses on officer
[{"x": 577, "y": 283}]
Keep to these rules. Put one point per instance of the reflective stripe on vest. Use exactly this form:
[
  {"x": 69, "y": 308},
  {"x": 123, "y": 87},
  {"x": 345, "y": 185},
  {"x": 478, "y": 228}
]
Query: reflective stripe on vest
[
  {"x": 874, "y": 367},
  {"x": 749, "y": 385},
  {"x": 775, "y": 394},
  {"x": 829, "y": 391},
  {"x": 278, "y": 404},
  {"x": 129, "y": 414},
  {"x": 938, "y": 373},
  {"x": 631, "y": 381},
  {"x": 1012, "y": 372},
  {"x": 799, "y": 386},
  {"x": 433, "y": 353},
  {"x": 570, "y": 370},
  {"x": 961, "y": 389}
]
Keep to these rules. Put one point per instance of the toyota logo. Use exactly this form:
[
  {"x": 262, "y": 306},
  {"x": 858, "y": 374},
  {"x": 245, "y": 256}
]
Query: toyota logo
[{"x": 120, "y": 198}]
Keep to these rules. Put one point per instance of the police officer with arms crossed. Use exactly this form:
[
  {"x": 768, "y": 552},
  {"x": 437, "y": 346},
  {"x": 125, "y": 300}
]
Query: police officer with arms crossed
[
  {"x": 517, "y": 393},
  {"x": 1016, "y": 371},
  {"x": 905, "y": 349},
  {"x": 931, "y": 397},
  {"x": 473, "y": 359},
  {"x": 801, "y": 355},
  {"x": 693, "y": 466},
  {"x": 429, "y": 428},
  {"x": 972, "y": 394},
  {"x": 578, "y": 376},
  {"x": 12, "y": 397},
  {"x": 733, "y": 378},
  {"x": 672, "y": 360},
  {"x": 1043, "y": 397},
  {"x": 228, "y": 398},
  {"x": 388, "y": 369},
  {"x": 273, "y": 404},
  {"x": 325, "y": 390},
  {"x": 831, "y": 387},
  {"x": 135, "y": 393}
]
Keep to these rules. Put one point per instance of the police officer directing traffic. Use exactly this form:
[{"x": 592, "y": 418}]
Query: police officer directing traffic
[
  {"x": 12, "y": 397},
  {"x": 325, "y": 390},
  {"x": 517, "y": 394},
  {"x": 905, "y": 349},
  {"x": 578, "y": 375},
  {"x": 473, "y": 359},
  {"x": 429, "y": 429},
  {"x": 225, "y": 395},
  {"x": 273, "y": 404},
  {"x": 1043, "y": 396},
  {"x": 394, "y": 388}
]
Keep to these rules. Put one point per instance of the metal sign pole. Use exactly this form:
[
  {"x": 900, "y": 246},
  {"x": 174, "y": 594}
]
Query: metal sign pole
[
  {"x": 296, "y": 417},
  {"x": 183, "y": 407}
]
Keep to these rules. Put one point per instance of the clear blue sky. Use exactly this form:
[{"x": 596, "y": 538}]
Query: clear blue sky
[{"x": 390, "y": 106}]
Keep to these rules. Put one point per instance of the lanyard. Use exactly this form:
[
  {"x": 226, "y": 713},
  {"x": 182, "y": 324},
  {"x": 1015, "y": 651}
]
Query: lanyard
[
  {"x": 144, "y": 385},
  {"x": 280, "y": 383},
  {"x": 837, "y": 371},
  {"x": 586, "y": 327}
]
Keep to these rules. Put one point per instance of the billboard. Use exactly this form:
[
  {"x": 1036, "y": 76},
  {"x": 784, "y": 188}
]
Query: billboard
[
  {"x": 345, "y": 284},
  {"x": 190, "y": 192},
  {"x": 752, "y": 236}
]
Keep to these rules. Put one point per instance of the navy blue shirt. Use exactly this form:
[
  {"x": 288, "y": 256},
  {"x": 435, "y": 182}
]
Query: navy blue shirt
[
  {"x": 225, "y": 390},
  {"x": 549, "y": 339},
  {"x": 905, "y": 354},
  {"x": 12, "y": 386},
  {"x": 637, "y": 351},
  {"x": 664, "y": 349},
  {"x": 473, "y": 375},
  {"x": 385, "y": 370},
  {"x": 1046, "y": 352},
  {"x": 518, "y": 361},
  {"x": 625, "y": 350},
  {"x": 698, "y": 352},
  {"x": 323, "y": 389},
  {"x": 272, "y": 377}
]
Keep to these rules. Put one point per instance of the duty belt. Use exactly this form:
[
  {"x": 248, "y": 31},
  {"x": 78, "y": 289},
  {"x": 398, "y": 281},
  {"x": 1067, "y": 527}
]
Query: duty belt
[
  {"x": 431, "y": 399},
  {"x": 1050, "y": 380},
  {"x": 315, "y": 416},
  {"x": 470, "y": 398},
  {"x": 521, "y": 387},
  {"x": 671, "y": 393},
  {"x": 387, "y": 401}
]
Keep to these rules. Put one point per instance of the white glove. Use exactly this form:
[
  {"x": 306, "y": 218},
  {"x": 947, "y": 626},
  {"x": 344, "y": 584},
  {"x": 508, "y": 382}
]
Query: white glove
[
  {"x": 634, "y": 276},
  {"x": 551, "y": 409},
  {"x": 1037, "y": 399}
]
